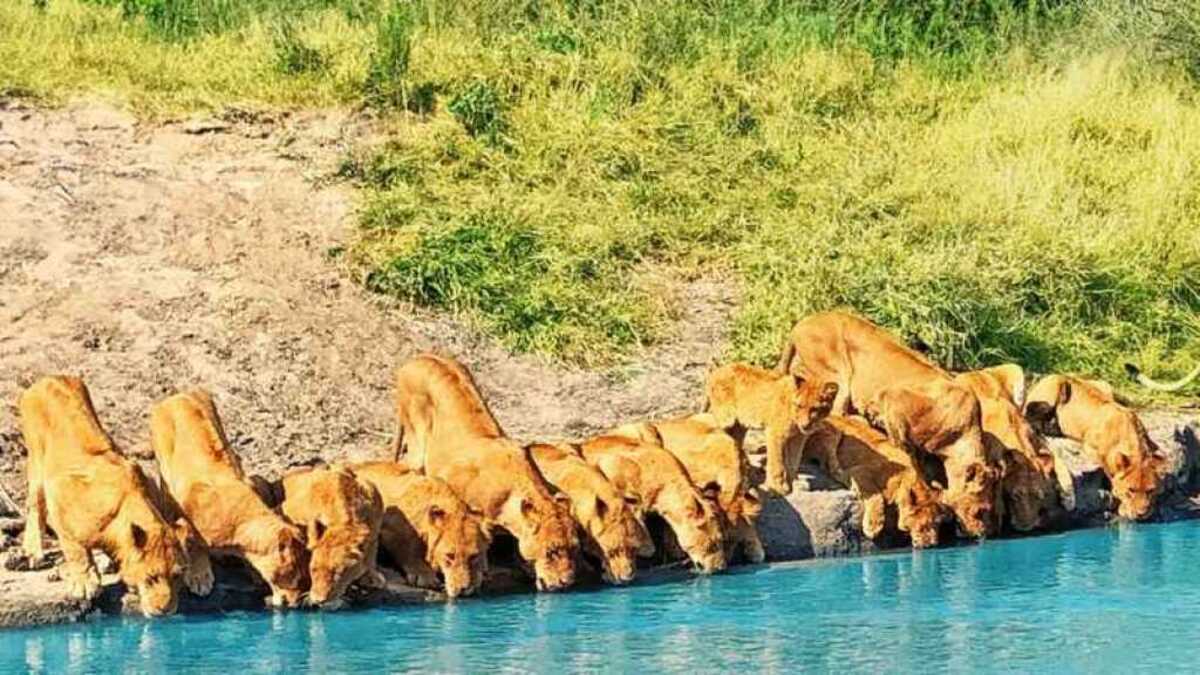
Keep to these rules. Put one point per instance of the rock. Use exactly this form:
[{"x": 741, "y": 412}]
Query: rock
[
  {"x": 817, "y": 519},
  {"x": 1178, "y": 439},
  {"x": 208, "y": 126},
  {"x": 1082, "y": 485},
  {"x": 13, "y": 526}
]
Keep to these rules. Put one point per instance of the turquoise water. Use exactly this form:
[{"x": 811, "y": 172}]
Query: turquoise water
[{"x": 1100, "y": 600}]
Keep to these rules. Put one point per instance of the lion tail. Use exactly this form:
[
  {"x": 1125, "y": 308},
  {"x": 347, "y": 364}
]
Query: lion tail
[
  {"x": 785, "y": 359},
  {"x": 1138, "y": 376}
]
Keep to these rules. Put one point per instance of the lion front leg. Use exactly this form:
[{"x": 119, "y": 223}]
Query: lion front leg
[
  {"x": 778, "y": 479},
  {"x": 874, "y": 516},
  {"x": 35, "y": 522},
  {"x": 79, "y": 571},
  {"x": 371, "y": 577}
]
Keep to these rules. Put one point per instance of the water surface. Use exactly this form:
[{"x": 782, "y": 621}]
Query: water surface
[{"x": 1112, "y": 599}]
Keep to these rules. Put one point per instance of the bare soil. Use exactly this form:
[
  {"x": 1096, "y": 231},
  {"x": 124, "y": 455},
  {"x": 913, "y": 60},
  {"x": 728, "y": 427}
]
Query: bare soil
[{"x": 150, "y": 259}]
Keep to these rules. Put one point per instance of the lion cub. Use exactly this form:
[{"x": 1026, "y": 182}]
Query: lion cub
[
  {"x": 342, "y": 515},
  {"x": 660, "y": 483},
  {"x": 741, "y": 396},
  {"x": 427, "y": 530},
  {"x": 203, "y": 476},
  {"x": 714, "y": 460},
  {"x": 1088, "y": 411},
  {"x": 94, "y": 498},
  {"x": 884, "y": 476},
  {"x": 444, "y": 428},
  {"x": 615, "y": 535}
]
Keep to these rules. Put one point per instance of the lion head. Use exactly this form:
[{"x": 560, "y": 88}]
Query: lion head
[
  {"x": 552, "y": 543},
  {"x": 695, "y": 520},
  {"x": 616, "y": 535},
  {"x": 973, "y": 487},
  {"x": 457, "y": 546},
  {"x": 1136, "y": 483},
  {"x": 812, "y": 401},
  {"x": 338, "y": 557},
  {"x": 152, "y": 560},
  {"x": 920, "y": 512},
  {"x": 282, "y": 558}
]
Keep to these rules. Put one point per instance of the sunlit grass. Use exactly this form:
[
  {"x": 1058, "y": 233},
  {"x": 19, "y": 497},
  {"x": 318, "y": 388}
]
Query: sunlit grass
[{"x": 992, "y": 179}]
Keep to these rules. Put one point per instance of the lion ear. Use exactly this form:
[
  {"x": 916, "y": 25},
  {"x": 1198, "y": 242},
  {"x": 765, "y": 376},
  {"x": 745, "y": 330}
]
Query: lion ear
[
  {"x": 601, "y": 508},
  {"x": 139, "y": 536},
  {"x": 437, "y": 516},
  {"x": 711, "y": 490}
]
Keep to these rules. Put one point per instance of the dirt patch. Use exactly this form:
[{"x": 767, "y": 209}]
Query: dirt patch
[{"x": 150, "y": 259}]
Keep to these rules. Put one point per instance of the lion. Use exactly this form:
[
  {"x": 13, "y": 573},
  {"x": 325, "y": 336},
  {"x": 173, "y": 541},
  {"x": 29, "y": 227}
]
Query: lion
[
  {"x": 204, "y": 478},
  {"x": 1087, "y": 411},
  {"x": 713, "y": 459},
  {"x": 431, "y": 534},
  {"x": 94, "y": 499},
  {"x": 741, "y": 396},
  {"x": 614, "y": 534},
  {"x": 918, "y": 404},
  {"x": 444, "y": 429},
  {"x": 661, "y": 484},
  {"x": 1028, "y": 486},
  {"x": 883, "y": 476},
  {"x": 342, "y": 516}
]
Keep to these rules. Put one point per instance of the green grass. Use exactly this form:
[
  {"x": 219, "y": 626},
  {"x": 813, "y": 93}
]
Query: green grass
[{"x": 1003, "y": 180}]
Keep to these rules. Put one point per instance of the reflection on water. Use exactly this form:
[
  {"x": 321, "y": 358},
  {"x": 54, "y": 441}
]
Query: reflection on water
[{"x": 1121, "y": 598}]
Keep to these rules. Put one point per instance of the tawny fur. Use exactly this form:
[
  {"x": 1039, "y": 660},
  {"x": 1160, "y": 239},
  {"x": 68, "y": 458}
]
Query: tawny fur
[
  {"x": 661, "y": 484},
  {"x": 741, "y": 397},
  {"x": 428, "y": 530},
  {"x": 1087, "y": 411},
  {"x": 342, "y": 516},
  {"x": 883, "y": 476},
  {"x": 445, "y": 429},
  {"x": 917, "y": 403},
  {"x": 1028, "y": 486},
  {"x": 713, "y": 460},
  {"x": 613, "y": 533},
  {"x": 94, "y": 499},
  {"x": 204, "y": 478}
]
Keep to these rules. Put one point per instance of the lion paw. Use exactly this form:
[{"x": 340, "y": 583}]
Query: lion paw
[
  {"x": 422, "y": 579},
  {"x": 778, "y": 485},
  {"x": 373, "y": 579},
  {"x": 83, "y": 587},
  {"x": 199, "y": 582}
]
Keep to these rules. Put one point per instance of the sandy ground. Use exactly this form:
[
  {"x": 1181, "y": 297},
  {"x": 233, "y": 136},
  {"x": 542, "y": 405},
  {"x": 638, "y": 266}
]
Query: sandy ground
[{"x": 150, "y": 259}]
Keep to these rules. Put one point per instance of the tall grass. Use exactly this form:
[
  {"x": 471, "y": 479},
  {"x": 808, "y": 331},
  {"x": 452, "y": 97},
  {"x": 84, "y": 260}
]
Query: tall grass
[{"x": 984, "y": 175}]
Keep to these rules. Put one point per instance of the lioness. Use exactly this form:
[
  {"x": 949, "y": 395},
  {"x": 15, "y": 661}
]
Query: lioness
[
  {"x": 715, "y": 460},
  {"x": 884, "y": 476},
  {"x": 444, "y": 428},
  {"x": 1087, "y": 411},
  {"x": 342, "y": 516},
  {"x": 614, "y": 534},
  {"x": 917, "y": 403},
  {"x": 427, "y": 530},
  {"x": 94, "y": 498},
  {"x": 661, "y": 484},
  {"x": 204, "y": 477},
  {"x": 1028, "y": 486},
  {"x": 741, "y": 396}
]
